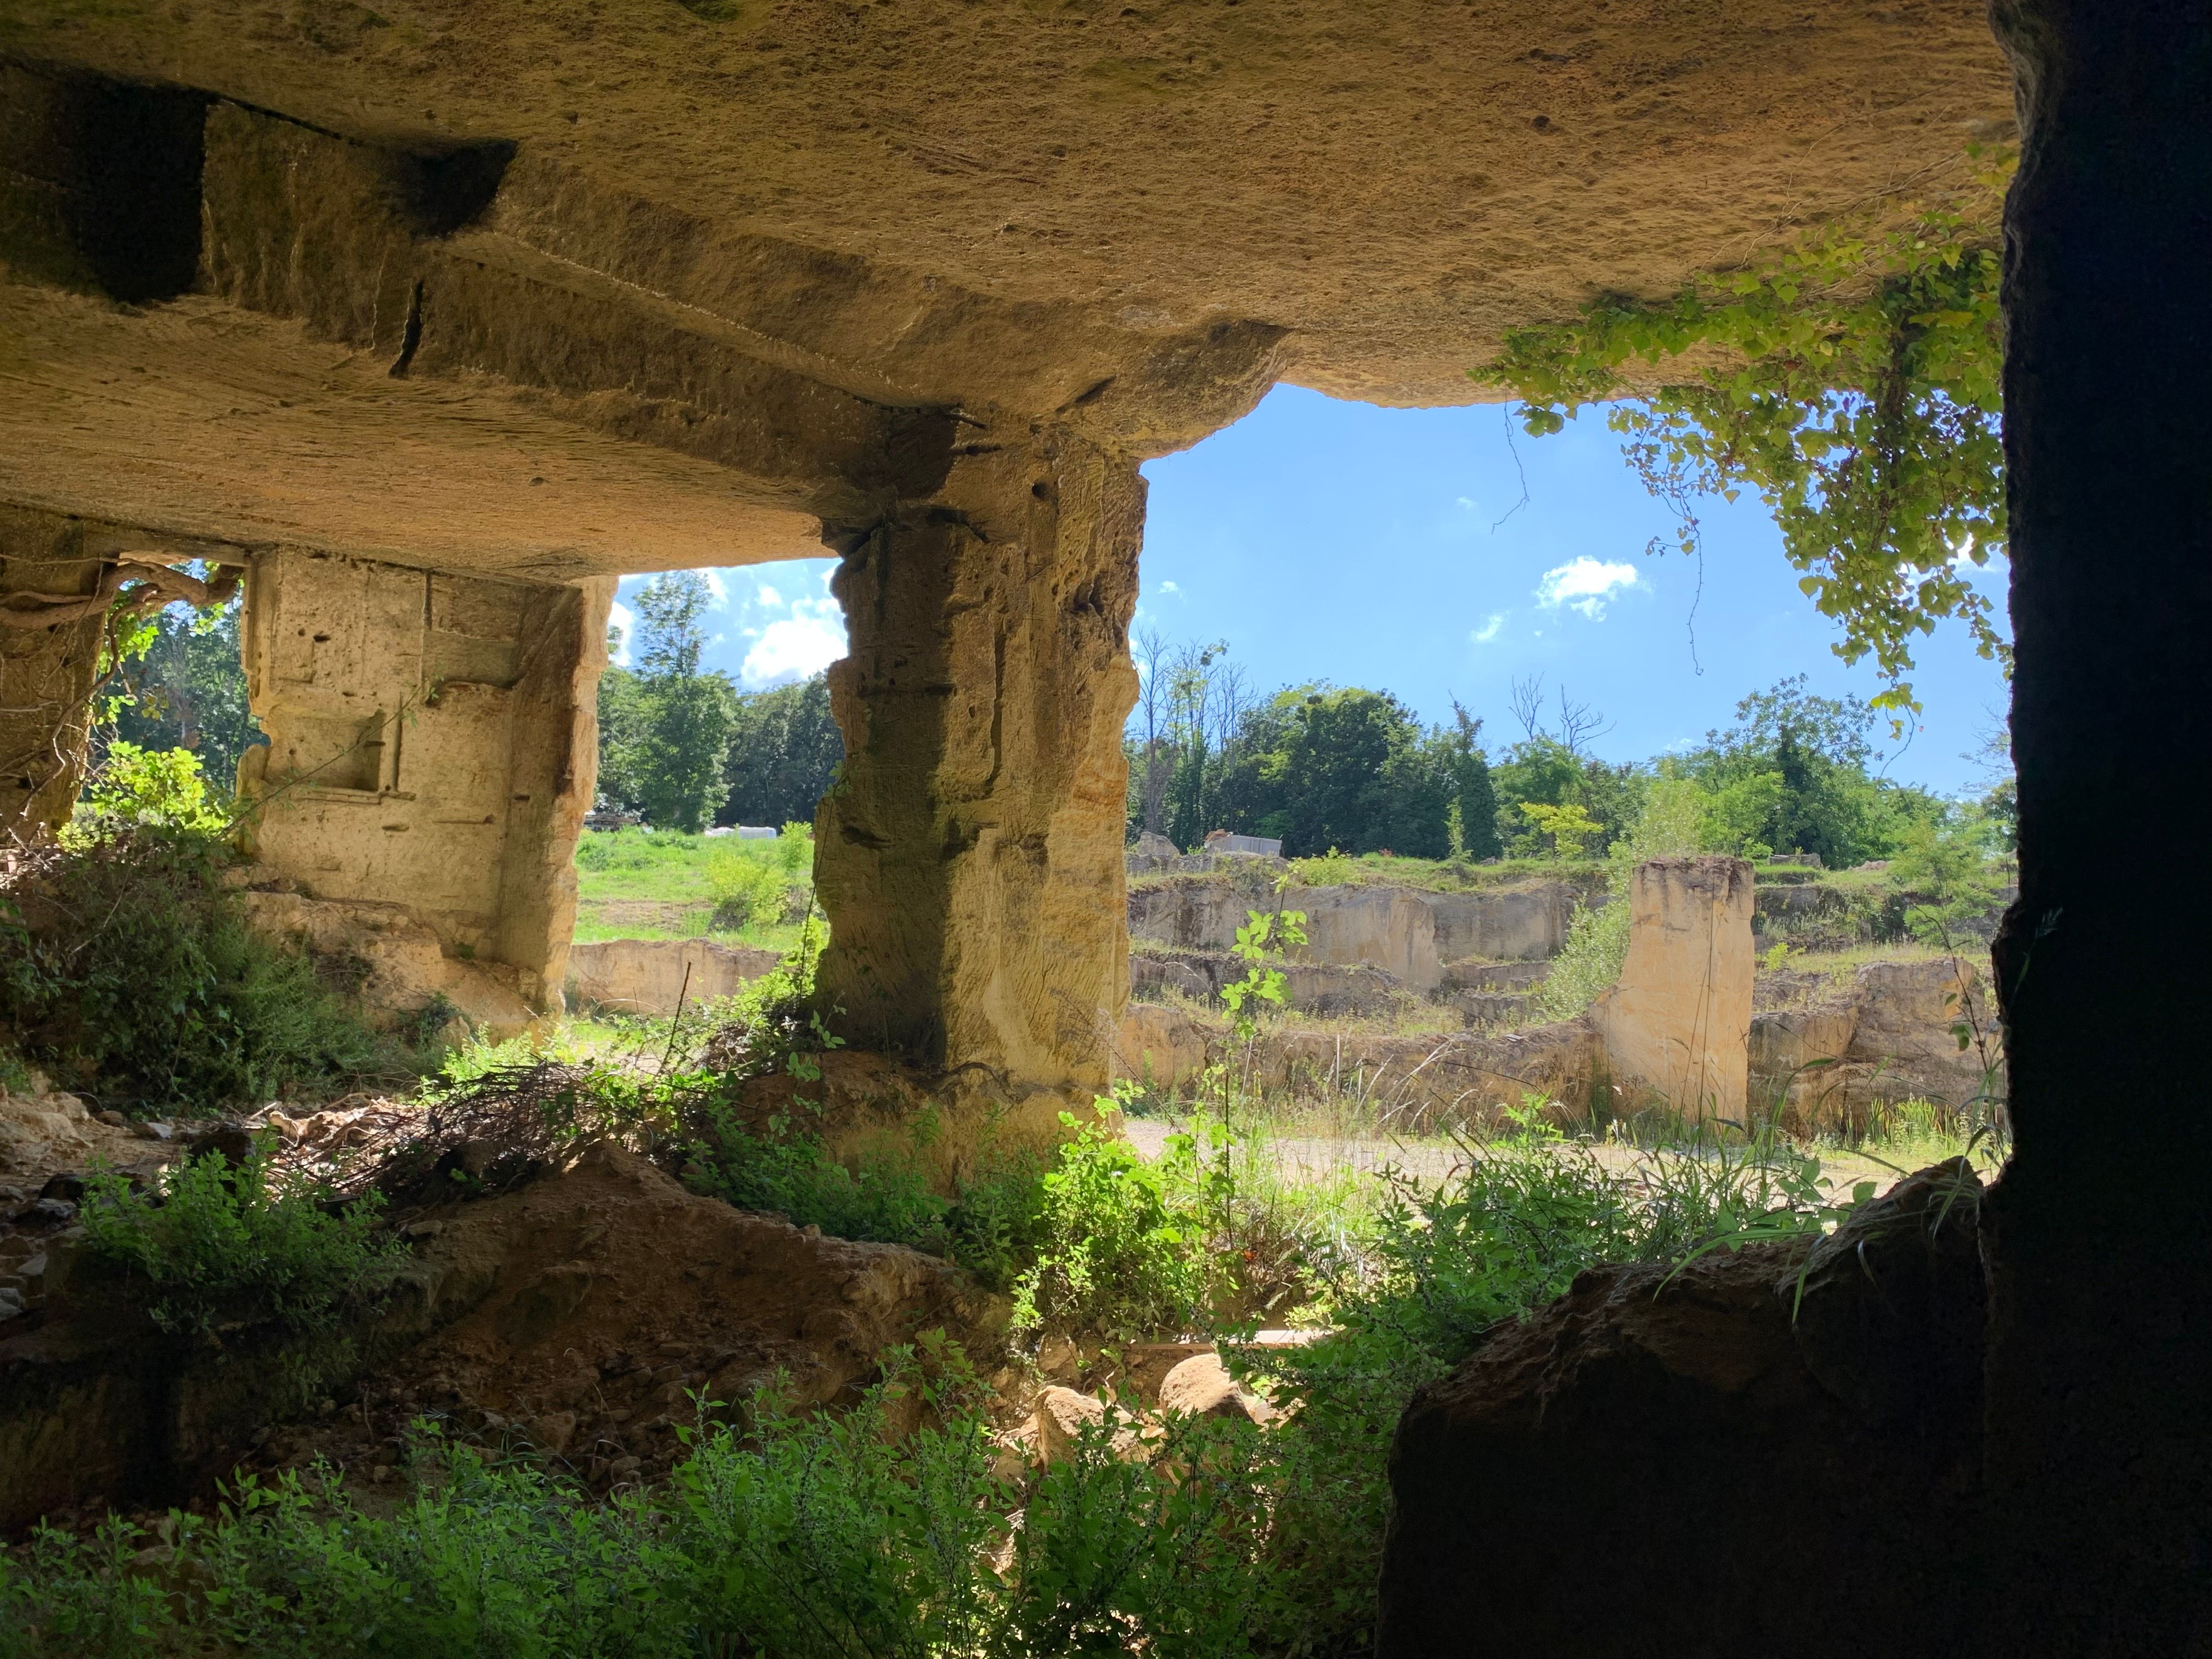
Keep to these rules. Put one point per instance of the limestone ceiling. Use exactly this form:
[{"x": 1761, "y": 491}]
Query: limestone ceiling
[
  {"x": 1387, "y": 183},
  {"x": 197, "y": 420}
]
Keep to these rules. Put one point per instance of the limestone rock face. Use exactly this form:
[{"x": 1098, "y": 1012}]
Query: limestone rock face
[
  {"x": 401, "y": 962},
  {"x": 433, "y": 746},
  {"x": 970, "y": 860},
  {"x": 1890, "y": 1034},
  {"x": 45, "y": 675},
  {"x": 1675, "y": 1428},
  {"x": 652, "y": 977},
  {"x": 1388, "y": 928},
  {"x": 1157, "y": 1045},
  {"x": 1515, "y": 924},
  {"x": 1676, "y": 1025},
  {"x": 1308, "y": 987}
]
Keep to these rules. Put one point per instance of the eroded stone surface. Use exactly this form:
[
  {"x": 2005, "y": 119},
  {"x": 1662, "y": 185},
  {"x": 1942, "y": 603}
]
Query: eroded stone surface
[
  {"x": 433, "y": 750},
  {"x": 1891, "y": 1033},
  {"x": 1676, "y": 1024},
  {"x": 655, "y": 976},
  {"x": 45, "y": 675},
  {"x": 1386, "y": 190},
  {"x": 970, "y": 859},
  {"x": 1674, "y": 1424}
]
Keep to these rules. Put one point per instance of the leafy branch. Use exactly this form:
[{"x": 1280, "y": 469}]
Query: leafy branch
[{"x": 1852, "y": 379}]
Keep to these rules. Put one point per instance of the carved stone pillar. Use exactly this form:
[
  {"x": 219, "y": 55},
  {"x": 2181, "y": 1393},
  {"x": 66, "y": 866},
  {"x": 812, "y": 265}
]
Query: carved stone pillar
[
  {"x": 46, "y": 675},
  {"x": 970, "y": 859},
  {"x": 433, "y": 749}
]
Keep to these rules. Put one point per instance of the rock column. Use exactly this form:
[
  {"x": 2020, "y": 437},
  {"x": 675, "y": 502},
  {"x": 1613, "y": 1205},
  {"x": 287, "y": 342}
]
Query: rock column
[
  {"x": 2098, "y": 1454},
  {"x": 433, "y": 749},
  {"x": 1678, "y": 1023},
  {"x": 970, "y": 857},
  {"x": 46, "y": 675}
]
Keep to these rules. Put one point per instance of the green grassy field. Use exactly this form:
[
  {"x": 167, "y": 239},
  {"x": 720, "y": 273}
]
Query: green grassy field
[{"x": 641, "y": 884}]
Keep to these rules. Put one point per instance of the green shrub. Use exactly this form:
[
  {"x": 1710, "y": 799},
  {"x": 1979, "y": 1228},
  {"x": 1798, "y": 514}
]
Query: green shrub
[
  {"x": 1122, "y": 1251},
  {"x": 1589, "y": 964},
  {"x": 816, "y": 1536},
  {"x": 215, "y": 1244},
  {"x": 1506, "y": 1235},
  {"x": 783, "y": 1168},
  {"x": 746, "y": 890},
  {"x": 123, "y": 955},
  {"x": 146, "y": 789}
]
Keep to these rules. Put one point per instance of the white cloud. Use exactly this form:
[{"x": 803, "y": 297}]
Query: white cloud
[
  {"x": 718, "y": 587},
  {"x": 1467, "y": 501},
  {"x": 621, "y": 619},
  {"x": 767, "y": 596},
  {"x": 1488, "y": 631},
  {"x": 792, "y": 647},
  {"x": 1586, "y": 585},
  {"x": 1169, "y": 587}
]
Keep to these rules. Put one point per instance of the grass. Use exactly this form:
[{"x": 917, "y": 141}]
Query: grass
[
  {"x": 834, "y": 1535},
  {"x": 652, "y": 884}
]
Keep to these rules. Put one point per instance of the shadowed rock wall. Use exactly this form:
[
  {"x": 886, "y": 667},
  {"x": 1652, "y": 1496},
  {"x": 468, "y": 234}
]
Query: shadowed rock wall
[
  {"x": 45, "y": 675},
  {"x": 656, "y": 976},
  {"x": 1775, "y": 1449}
]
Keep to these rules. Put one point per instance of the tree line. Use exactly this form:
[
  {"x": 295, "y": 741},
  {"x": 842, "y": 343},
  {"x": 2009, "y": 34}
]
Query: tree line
[
  {"x": 1325, "y": 768},
  {"x": 1316, "y": 765},
  {"x": 685, "y": 748}
]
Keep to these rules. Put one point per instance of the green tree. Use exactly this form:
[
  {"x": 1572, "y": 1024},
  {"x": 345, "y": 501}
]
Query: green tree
[
  {"x": 623, "y": 716},
  {"x": 1791, "y": 776},
  {"x": 1473, "y": 791},
  {"x": 784, "y": 754},
  {"x": 1344, "y": 760},
  {"x": 188, "y": 691},
  {"x": 1852, "y": 379},
  {"x": 688, "y": 716}
]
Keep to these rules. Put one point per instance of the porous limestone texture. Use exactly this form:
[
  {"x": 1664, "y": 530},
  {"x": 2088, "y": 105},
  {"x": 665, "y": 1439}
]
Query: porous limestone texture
[
  {"x": 398, "y": 964},
  {"x": 1891, "y": 1033},
  {"x": 970, "y": 857},
  {"x": 1676, "y": 1024},
  {"x": 432, "y": 749},
  {"x": 1390, "y": 928},
  {"x": 1158, "y": 1046},
  {"x": 1363, "y": 198},
  {"x": 655, "y": 976},
  {"x": 1527, "y": 923},
  {"x": 1413, "y": 936}
]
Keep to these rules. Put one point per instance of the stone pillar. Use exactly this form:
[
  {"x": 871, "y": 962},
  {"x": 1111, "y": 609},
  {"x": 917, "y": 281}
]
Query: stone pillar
[
  {"x": 46, "y": 675},
  {"x": 2099, "y": 1237},
  {"x": 1678, "y": 1023},
  {"x": 433, "y": 749},
  {"x": 970, "y": 857}
]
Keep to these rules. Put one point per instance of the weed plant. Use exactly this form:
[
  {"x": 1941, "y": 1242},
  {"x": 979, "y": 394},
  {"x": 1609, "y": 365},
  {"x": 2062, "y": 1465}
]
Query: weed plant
[
  {"x": 125, "y": 963},
  {"x": 813, "y": 1536},
  {"x": 216, "y": 1246},
  {"x": 1522, "y": 1215}
]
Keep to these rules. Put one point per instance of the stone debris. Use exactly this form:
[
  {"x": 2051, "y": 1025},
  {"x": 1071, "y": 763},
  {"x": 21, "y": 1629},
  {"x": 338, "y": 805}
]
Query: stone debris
[{"x": 1202, "y": 1386}]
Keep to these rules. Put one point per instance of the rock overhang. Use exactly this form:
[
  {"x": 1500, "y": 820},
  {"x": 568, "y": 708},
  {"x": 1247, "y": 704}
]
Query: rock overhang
[{"x": 819, "y": 247}]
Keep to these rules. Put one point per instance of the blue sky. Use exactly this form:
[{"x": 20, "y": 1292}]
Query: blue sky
[{"x": 1339, "y": 541}]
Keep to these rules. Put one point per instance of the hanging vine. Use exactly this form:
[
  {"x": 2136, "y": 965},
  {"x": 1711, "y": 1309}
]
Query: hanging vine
[{"x": 1852, "y": 381}]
